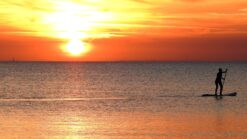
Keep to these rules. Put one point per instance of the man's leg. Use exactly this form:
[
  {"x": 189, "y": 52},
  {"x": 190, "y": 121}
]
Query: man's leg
[
  {"x": 216, "y": 84},
  {"x": 221, "y": 88}
]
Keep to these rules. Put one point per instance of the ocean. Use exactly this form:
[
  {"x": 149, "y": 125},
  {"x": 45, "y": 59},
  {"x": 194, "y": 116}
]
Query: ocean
[{"x": 121, "y": 100}]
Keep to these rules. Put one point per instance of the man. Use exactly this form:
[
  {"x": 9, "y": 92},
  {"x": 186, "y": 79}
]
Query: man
[{"x": 219, "y": 82}]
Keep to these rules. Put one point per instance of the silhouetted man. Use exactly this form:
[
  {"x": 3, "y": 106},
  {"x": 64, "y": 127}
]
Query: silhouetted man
[{"x": 218, "y": 81}]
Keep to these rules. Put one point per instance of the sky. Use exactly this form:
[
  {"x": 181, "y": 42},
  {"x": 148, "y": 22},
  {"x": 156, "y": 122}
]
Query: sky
[{"x": 123, "y": 30}]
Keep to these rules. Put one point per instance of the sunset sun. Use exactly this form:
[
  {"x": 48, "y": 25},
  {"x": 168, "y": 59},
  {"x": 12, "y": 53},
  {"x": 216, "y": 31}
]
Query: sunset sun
[{"x": 76, "y": 47}]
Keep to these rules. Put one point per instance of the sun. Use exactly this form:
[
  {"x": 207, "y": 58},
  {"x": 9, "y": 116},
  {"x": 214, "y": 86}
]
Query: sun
[{"x": 76, "y": 47}]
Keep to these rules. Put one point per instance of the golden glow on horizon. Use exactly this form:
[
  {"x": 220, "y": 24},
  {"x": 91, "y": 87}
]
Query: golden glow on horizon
[
  {"x": 70, "y": 20},
  {"x": 102, "y": 23}
]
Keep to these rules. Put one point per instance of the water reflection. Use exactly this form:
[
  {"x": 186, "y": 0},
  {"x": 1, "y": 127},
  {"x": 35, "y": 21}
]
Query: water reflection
[{"x": 76, "y": 124}]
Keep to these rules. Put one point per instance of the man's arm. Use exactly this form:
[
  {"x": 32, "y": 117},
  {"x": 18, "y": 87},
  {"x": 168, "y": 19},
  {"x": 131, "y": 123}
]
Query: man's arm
[{"x": 225, "y": 71}]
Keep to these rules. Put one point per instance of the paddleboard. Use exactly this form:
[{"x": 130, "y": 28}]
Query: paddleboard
[{"x": 224, "y": 94}]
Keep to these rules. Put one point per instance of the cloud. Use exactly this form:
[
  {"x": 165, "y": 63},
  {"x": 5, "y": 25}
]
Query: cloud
[
  {"x": 48, "y": 18},
  {"x": 191, "y": 0}
]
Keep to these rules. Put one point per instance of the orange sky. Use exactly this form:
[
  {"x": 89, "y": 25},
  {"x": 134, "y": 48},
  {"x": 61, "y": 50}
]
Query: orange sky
[{"x": 127, "y": 30}]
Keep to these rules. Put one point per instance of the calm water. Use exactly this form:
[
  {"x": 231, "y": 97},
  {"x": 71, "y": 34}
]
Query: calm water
[{"x": 121, "y": 100}]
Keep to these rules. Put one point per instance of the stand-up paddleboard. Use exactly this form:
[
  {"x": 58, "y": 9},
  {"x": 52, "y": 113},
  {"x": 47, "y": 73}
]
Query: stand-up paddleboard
[{"x": 224, "y": 94}]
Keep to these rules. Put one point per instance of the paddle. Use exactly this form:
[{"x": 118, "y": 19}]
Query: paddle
[{"x": 224, "y": 80}]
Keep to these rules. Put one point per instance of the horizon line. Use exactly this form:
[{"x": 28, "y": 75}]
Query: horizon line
[{"x": 123, "y": 61}]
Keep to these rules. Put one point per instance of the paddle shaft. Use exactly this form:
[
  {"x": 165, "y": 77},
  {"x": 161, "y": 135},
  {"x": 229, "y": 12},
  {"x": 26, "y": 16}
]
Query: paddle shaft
[{"x": 224, "y": 81}]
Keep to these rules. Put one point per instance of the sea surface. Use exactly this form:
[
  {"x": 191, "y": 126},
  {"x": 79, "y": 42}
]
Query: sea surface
[{"x": 121, "y": 101}]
